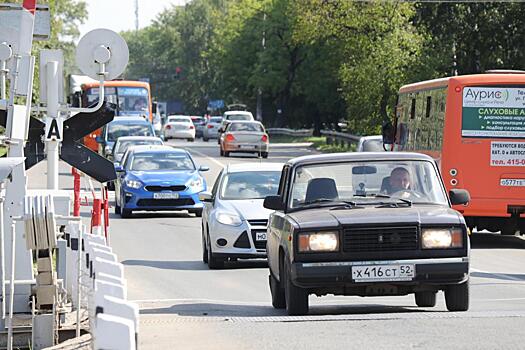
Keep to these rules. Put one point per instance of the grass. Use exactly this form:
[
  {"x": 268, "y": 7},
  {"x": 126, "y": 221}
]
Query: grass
[
  {"x": 3, "y": 151},
  {"x": 318, "y": 142}
]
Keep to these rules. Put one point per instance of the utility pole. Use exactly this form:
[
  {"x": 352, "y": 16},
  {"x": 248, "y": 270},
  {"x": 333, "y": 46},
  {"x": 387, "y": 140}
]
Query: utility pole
[
  {"x": 136, "y": 15},
  {"x": 258, "y": 113}
]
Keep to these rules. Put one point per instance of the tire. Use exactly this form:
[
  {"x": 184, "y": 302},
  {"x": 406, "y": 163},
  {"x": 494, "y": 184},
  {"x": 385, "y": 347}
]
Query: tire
[
  {"x": 205, "y": 139},
  {"x": 264, "y": 155},
  {"x": 457, "y": 297},
  {"x": 198, "y": 213},
  {"x": 226, "y": 154},
  {"x": 278, "y": 298},
  {"x": 222, "y": 152},
  {"x": 204, "y": 247},
  {"x": 117, "y": 208},
  {"x": 296, "y": 298},
  {"x": 213, "y": 262},
  {"x": 125, "y": 213},
  {"x": 425, "y": 299}
]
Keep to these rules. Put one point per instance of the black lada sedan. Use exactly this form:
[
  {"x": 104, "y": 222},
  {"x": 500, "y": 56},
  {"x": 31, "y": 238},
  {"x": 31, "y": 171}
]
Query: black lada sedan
[{"x": 366, "y": 224}]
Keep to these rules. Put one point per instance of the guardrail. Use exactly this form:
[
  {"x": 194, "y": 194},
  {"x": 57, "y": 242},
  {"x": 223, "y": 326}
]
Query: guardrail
[
  {"x": 340, "y": 138},
  {"x": 290, "y": 132}
]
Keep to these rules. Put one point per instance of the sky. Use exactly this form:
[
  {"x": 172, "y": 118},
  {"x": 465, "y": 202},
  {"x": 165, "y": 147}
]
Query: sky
[{"x": 119, "y": 15}]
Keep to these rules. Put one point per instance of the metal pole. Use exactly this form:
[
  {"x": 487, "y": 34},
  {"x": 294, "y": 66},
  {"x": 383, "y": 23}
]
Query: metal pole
[
  {"x": 52, "y": 112},
  {"x": 11, "y": 288},
  {"x": 79, "y": 278},
  {"x": 2, "y": 253},
  {"x": 3, "y": 86}
]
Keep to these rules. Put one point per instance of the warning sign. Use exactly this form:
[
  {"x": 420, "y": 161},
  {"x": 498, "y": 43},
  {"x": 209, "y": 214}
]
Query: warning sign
[{"x": 507, "y": 153}]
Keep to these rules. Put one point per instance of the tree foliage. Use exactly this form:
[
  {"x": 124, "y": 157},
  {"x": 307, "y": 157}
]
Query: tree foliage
[{"x": 319, "y": 61}]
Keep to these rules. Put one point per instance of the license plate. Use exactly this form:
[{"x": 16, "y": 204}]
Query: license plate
[
  {"x": 512, "y": 182},
  {"x": 165, "y": 195},
  {"x": 260, "y": 236},
  {"x": 379, "y": 273},
  {"x": 246, "y": 146}
]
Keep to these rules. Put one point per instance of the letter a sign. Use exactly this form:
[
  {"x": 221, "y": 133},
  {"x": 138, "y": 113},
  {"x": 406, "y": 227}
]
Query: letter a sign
[{"x": 54, "y": 128}]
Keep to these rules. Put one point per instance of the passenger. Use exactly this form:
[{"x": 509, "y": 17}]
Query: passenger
[
  {"x": 139, "y": 105},
  {"x": 399, "y": 180}
]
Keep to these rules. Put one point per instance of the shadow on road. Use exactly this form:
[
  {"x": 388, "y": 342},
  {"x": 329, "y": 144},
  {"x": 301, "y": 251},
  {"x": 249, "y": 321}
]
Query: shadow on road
[
  {"x": 496, "y": 241},
  {"x": 244, "y": 310},
  {"x": 196, "y": 265}
]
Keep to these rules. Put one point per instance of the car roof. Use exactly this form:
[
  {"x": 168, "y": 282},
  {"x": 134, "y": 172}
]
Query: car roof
[
  {"x": 179, "y": 117},
  {"x": 238, "y": 112},
  {"x": 358, "y": 156},
  {"x": 129, "y": 120},
  {"x": 254, "y": 167},
  {"x": 244, "y": 122},
  {"x": 156, "y": 148},
  {"x": 372, "y": 137},
  {"x": 132, "y": 138}
]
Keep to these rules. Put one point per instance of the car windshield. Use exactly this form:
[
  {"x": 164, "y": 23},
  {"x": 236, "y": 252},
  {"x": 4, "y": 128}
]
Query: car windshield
[
  {"x": 215, "y": 120},
  {"x": 250, "y": 185},
  {"x": 157, "y": 161},
  {"x": 246, "y": 127},
  {"x": 238, "y": 117},
  {"x": 123, "y": 145},
  {"x": 363, "y": 183},
  {"x": 116, "y": 130},
  {"x": 129, "y": 99},
  {"x": 179, "y": 120}
]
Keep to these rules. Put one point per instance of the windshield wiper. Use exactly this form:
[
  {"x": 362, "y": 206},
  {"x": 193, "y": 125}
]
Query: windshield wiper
[
  {"x": 407, "y": 202},
  {"x": 326, "y": 202}
]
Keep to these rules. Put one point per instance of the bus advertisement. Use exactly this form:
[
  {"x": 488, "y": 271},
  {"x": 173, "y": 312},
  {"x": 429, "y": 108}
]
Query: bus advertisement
[
  {"x": 474, "y": 127},
  {"x": 132, "y": 98}
]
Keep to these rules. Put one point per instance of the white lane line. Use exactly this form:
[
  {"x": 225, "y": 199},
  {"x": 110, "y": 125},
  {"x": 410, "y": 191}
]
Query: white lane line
[
  {"x": 500, "y": 275},
  {"x": 190, "y": 300},
  {"x": 207, "y": 157}
]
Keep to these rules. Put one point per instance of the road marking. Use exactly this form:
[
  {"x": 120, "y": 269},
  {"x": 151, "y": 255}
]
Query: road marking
[
  {"x": 207, "y": 157},
  {"x": 499, "y": 275}
]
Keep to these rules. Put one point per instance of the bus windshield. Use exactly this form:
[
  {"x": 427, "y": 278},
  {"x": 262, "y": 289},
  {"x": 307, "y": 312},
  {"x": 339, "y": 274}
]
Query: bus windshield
[{"x": 130, "y": 100}]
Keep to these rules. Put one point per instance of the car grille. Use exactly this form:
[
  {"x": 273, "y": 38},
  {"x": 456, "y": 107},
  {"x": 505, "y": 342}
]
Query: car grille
[
  {"x": 242, "y": 241},
  {"x": 165, "y": 188},
  {"x": 262, "y": 222},
  {"x": 165, "y": 202},
  {"x": 380, "y": 239}
]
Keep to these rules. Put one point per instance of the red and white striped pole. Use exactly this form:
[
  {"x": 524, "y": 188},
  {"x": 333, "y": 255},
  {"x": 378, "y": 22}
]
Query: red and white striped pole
[{"x": 30, "y": 5}]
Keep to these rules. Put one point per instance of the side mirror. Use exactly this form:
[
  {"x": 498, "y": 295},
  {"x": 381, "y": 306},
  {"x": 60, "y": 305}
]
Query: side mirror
[
  {"x": 459, "y": 196},
  {"x": 388, "y": 133},
  {"x": 273, "y": 203},
  {"x": 204, "y": 168},
  {"x": 119, "y": 169},
  {"x": 99, "y": 139},
  {"x": 205, "y": 197}
]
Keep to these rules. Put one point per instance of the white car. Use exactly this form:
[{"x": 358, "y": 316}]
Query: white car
[
  {"x": 231, "y": 116},
  {"x": 179, "y": 127},
  {"x": 370, "y": 144},
  {"x": 234, "y": 220}
]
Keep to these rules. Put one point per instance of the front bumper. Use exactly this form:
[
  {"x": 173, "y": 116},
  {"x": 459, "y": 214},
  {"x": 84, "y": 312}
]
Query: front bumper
[
  {"x": 241, "y": 240},
  {"x": 332, "y": 276},
  {"x": 141, "y": 199}
]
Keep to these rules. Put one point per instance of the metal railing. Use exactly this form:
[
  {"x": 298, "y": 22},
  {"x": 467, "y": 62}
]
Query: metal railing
[
  {"x": 340, "y": 138},
  {"x": 290, "y": 132}
]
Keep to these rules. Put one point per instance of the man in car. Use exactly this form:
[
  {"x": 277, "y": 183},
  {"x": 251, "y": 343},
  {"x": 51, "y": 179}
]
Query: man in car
[{"x": 399, "y": 180}]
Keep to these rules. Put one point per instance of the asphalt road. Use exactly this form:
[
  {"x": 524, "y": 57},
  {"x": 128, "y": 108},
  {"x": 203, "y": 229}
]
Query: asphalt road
[{"x": 186, "y": 306}]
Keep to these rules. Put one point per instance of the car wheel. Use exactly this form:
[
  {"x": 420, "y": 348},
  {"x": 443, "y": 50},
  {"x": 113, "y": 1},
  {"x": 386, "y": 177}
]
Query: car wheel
[
  {"x": 213, "y": 262},
  {"x": 117, "y": 208},
  {"x": 205, "y": 139},
  {"x": 296, "y": 297},
  {"x": 278, "y": 298},
  {"x": 204, "y": 247},
  {"x": 457, "y": 297},
  {"x": 425, "y": 299},
  {"x": 264, "y": 155},
  {"x": 226, "y": 154},
  {"x": 198, "y": 213},
  {"x": 221, "y": 152},
  {"x": 125, "y": 213}
]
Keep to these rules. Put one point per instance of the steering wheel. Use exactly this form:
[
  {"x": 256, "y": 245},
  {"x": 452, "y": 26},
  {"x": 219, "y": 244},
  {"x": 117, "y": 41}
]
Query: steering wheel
[{"x": 407, "y": 194}]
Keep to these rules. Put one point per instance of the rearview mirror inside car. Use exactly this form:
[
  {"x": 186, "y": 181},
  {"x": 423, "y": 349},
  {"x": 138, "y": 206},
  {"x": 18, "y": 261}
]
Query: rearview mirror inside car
[
  {"x": 273, "y": 203},
  {"x": 364, "y": 170},
  {"x": 458, "y": 196}
]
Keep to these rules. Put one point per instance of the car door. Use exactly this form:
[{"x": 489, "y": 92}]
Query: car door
[
  {"x": 120, "y": 177},
  {"x": 207, "y": 213},
  {"x": 276, "y": 225}
]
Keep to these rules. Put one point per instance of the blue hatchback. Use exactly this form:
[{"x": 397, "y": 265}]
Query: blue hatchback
[{"x": 155, "y": 178}]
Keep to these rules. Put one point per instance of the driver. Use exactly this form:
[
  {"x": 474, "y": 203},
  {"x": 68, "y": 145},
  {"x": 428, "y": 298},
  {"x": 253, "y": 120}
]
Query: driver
[{"x": 399, "y": 180}]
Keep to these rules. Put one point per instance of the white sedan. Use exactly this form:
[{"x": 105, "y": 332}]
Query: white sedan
[
  {"x": 234, "y": 220},
  {"x": 179, "y": 127}
]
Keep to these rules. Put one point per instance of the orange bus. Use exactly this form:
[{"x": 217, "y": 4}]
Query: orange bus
[
  {"x": 474, "y": 127},
  {"x": 131, "y": 98}
]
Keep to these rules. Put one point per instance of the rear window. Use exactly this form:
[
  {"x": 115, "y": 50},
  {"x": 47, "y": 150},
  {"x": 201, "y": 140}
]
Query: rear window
[
  {"x": 179, "y": 120},
  {"x": 238, "y": 117},
  {"x": 216, "y": 120},
  {"x": 161, "y": 162},
  {"x": 493, "y": 112},
  {"x": 123, "y": 146},
  {"x": 117, "y": 130},
  {"x": 246, "y": 127}
]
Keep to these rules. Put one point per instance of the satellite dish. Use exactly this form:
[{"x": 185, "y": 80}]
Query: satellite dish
[{"x": 102, "y": 46}]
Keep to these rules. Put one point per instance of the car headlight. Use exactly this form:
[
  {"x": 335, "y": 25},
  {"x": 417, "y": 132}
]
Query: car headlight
[
  {"x": 327, "y": 241},
  {"x": 196, "y": 182},
  {"x": 441, "y": 238},
  {"x": 133, "y": 184},
  {"x": 229, "y": 219}
]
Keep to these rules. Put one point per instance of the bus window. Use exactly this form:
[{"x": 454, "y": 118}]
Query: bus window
[
  {"x": 413, "y": 109},
  {"x": 429, "y": 105}
]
